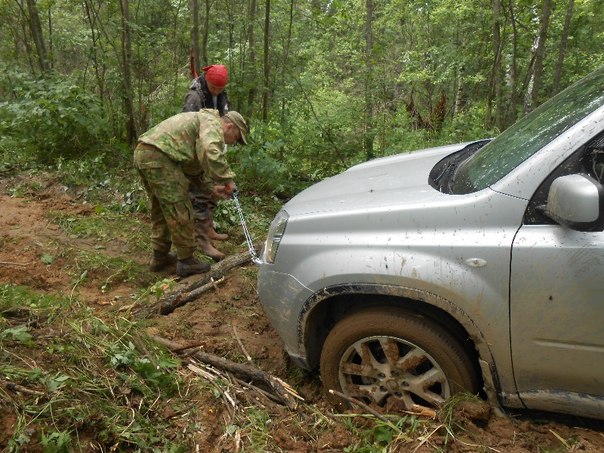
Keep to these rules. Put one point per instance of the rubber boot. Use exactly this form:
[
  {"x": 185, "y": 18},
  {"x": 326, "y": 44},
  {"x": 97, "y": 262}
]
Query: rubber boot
[
  {"x": 191, "y": 266},
  {"x": 204, "y": 242},
  {"x": 212, "y": 234},
  {"x": 161, "y": 260},
  {"x": 208, "y": 249}
]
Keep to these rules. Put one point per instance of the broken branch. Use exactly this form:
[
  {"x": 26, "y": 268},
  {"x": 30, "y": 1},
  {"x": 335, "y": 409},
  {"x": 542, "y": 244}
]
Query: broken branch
[
  {"x": 286, "y": 394},
  {"x": 169, "y": 302},
  {"x": 247, "y": 356}
]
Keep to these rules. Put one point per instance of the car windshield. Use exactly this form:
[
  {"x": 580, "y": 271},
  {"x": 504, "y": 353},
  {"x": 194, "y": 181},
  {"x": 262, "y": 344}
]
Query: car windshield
[{"x": 529, "y": 135}]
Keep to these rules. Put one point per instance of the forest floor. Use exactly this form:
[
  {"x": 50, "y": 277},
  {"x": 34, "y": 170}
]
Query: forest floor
[{"x": 42, "y": 248}]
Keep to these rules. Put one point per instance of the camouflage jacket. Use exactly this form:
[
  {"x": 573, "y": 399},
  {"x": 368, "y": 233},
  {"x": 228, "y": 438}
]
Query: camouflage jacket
[{"x": 196, "y": 140}]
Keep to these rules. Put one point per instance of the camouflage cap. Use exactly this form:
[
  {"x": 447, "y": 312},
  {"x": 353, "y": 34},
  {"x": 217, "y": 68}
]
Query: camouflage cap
[{"x": 238, "y": 121}]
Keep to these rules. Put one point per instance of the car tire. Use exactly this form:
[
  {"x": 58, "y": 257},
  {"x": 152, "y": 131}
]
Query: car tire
[{"x": 394, "y": 358}]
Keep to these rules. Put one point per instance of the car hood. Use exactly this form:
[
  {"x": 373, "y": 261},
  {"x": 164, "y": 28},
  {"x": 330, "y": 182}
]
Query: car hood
[{"x": 379, "y": 183}]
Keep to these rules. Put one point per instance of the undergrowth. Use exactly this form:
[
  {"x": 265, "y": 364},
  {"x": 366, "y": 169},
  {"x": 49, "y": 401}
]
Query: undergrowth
[
  {"x": 72, "y": 380},
  {"x": 75, "y": 381}
]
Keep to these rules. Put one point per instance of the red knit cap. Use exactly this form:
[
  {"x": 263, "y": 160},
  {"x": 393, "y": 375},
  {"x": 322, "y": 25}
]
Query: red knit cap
[{"x": 216, "y": 74}]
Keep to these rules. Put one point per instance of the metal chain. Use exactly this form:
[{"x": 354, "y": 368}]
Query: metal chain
[{"x": 246, "y": 232}]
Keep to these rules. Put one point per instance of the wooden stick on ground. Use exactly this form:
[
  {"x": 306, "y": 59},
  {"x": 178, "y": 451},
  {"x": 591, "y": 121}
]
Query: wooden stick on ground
[
  {"x": 247, "y": 356},
  {"x": 360, "y": 404},
  {"x": 169, "y": 302},
  {"x": 19, "y": 388},
  {"x": 168, "y": 307},
  {"x": 416, "y": 409},
  {"x": 247, "y": 372}
]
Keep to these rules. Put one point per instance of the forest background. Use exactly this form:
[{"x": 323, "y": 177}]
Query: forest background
[{"x": 325, "y": 84}]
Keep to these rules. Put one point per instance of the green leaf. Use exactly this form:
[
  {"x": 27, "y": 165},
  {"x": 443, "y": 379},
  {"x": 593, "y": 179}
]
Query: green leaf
[
  {"x": 19, "y": 334},
  {"x": 382, "y": 434},
  {"x": 47, "y": 259},
  {"x": 58, "y": 441},
  {"x": 57, "y": 382}
]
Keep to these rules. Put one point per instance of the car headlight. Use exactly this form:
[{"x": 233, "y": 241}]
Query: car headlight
[{"x": 275, "y": 234}]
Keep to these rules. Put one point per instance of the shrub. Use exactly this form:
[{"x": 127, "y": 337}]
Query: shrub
[{"x": 49, "y": 118}]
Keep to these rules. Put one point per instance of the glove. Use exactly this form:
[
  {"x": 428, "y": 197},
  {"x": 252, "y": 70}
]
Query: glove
[
  {"x": 230, "y": 187},
  {"x": 223, "y": 192}
]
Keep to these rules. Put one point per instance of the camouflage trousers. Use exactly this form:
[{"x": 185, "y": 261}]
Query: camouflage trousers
[
  {"x": 171, "y": 210},
  {"x": 201, "y": 200}
]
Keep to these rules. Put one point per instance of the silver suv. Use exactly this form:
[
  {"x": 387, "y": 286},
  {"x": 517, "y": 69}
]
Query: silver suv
[{"x": 475, "y": 267}]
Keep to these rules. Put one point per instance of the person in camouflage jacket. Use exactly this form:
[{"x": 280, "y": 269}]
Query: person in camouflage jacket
[{"x": 182, "y": 150}]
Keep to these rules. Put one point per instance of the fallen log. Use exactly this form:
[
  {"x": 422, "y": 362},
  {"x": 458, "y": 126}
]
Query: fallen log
[
  {"x": 171, "y": 301},
  {"x": 169, "y": 306},
  {"x": 246, "y": 372},
  {"x": 19, "y": 388}
]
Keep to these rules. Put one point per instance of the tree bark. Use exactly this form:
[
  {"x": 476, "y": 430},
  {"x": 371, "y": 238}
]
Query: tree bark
[
  {"x": 494, "y": 97},
  {"x": 24, "y": 39},
  {"x": 285, "y": 62},
  {"x": 266, "y": 81},
  {"x": 205, "y": 59},
  {"x": 540, "y": 54},
  {"x": 512, "y": 112},
  {"x": 562, "y": 48},
  {"x": 252, "y": 65},
  {"x": 368, "y": 118},
  {"x": 92, "y": 17},
  {"x": 131, "y": 134},
  {"x": 194, "y": 5},
  {"x": 50, "y": 38},
  {"x": 231, "y": 22},
  {"x": 35, "y": 27}
]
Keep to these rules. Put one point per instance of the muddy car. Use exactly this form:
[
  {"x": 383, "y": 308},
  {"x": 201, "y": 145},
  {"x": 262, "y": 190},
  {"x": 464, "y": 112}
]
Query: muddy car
[{"x": 472, "y": 267}]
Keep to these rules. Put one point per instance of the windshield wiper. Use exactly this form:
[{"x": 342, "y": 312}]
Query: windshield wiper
[{"x": 443, "y": 173}]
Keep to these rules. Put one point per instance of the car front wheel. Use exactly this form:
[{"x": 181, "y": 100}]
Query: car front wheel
[{"x": 395, "y": 358}]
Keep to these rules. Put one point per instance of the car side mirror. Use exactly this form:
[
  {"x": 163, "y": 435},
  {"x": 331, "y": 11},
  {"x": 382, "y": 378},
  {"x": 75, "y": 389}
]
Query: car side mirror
[{"x": 576, "y": 201}]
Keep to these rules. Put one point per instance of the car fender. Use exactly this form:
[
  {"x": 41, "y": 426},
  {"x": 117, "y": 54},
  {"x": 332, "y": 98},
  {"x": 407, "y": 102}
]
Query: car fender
[{"x": 430, "y": 280}]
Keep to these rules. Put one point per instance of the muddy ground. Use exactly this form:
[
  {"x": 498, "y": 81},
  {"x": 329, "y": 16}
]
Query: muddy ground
[{"x": 228, "y": 321}]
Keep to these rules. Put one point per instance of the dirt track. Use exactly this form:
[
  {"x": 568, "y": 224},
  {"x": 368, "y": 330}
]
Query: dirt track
[{"x": 221, "y": 321}]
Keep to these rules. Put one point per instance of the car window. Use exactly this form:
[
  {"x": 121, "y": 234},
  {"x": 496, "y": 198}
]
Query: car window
[
  {"x": 529, "y": 135},
  {"x": 587, "y": 160},
  {"x": 593, "y": 161}
]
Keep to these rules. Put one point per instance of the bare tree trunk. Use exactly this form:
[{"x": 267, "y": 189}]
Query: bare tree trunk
[
  {"x": 177, "y": 57},
  {"x": 194, "y": 5},
  {"x": 23, "y": 27},
  {"x": 540, "y": 54},
  {"x": 286, "y": 60},
  {"x": 459, "y": 80},
  {"x": 252, "y": 66},
  {"x": 266, "y": 85},
  {"x": 368, "y": 119},
  {"x": 563, "y": 45},
  {"x": 50, "y": 30},
  {"x": 92, "y": 17},
  {"x": 206, "y": 30},
  {"x": 494, "y": 99},
  {"x": 37, "y": 35},
  {"x": 131, "y": 134},
  {"x": 512, "y": 113},
  {"x": 527, "y": 85},
  {"x": 459, "y": 92},
  {"x": 231, "y": 22}
]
